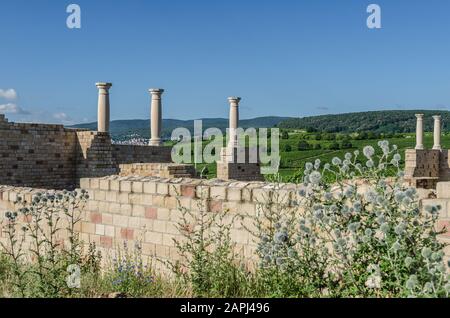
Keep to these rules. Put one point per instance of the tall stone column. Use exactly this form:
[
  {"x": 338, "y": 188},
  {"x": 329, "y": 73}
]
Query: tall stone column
[
  {"x": 419, "y": 131},
  {"x": 156, "y": 116},
  {"x": 103, "y": 107},
  {"x": 437, "y": 132},
  {"x": 234, "y": 121}
]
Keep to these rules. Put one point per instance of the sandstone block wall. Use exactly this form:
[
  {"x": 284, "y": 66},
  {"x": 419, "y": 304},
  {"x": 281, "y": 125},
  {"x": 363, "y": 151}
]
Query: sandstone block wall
[
  {"x": 164, "y": 170},
  {"x": 148, "y": 209},
  {"x": 443, "y": 199}
]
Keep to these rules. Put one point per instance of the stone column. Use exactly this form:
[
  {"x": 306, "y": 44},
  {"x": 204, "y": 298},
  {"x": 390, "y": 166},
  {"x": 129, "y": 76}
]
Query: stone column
[
  {"x": 437, "y": 132},
  {"x": 156, "y": 116},
  {"x": 103, "y": 107},
  {"x": 234, "y": 121},
  {"x": 419, "y": 131}
]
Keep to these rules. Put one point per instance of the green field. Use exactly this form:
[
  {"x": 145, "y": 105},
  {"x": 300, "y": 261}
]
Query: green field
[{"x": 294, "y": 160}]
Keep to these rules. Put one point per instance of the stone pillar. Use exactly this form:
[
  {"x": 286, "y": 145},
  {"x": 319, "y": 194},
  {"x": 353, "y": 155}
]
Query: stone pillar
[
  {"x": 437, "y": 132},
  {"x": 234, "y": 121},
  {"x": 156, "y": 116},
  {"x": 419, "y": 131},
  {"x": 103, "y": 107}
]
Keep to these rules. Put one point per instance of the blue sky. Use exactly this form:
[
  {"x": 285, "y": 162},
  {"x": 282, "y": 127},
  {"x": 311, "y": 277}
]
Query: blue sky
[{"x": 286, "y": 58}]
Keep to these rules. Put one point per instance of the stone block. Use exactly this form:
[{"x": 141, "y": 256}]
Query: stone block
[
  {"x": 104, "y": 184},
  {"x": 120, "y": 220},
  {"x": 85, "y": 183},
  {"x": 218, "y": 193},
  {"x": 138, "y": 211},
  {"x": 149, "y": 187},
  {"x": 137, "y": 187},
  {"x": 151, "y": 213},
  {"x": 125, "y": 186},
  {"x": 153, "y": 237},
  {"x": 443, "y": 190}
]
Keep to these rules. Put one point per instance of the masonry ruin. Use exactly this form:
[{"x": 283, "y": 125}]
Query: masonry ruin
[
  {"x": 55, "y": 157},
  {"x": 136, "y": 192},
  {"x": 424, "y": 168}
]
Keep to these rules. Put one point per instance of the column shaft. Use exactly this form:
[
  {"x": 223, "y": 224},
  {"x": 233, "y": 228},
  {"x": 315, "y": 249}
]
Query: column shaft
[
  {"x": 419, "y": 131},
  {"x": 103, "y": 116},
  {"x": 156, "y": 117},
  {"x": 437, "y": 132},
  {"x": 234, "y": 120}
]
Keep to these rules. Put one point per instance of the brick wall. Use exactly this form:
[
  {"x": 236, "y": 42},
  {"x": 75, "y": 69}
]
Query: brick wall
[
  {"x": 94, "y": 155},
  {"x": 237, "y": 164},
  {"x": 51, "y": 156},
  {"x": 36, "y": 154},
  {"x": 425, "y": 168},
  {"x": 124, "y": 154}
]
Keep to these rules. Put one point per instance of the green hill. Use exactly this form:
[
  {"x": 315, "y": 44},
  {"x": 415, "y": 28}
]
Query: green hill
[
  {"x": 390, "y": 121},
  {"x": 141, "y": 127}
]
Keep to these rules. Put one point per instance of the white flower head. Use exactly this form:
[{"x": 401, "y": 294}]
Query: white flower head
[
  {"x": 368, "y": 151},
  {"x": 371, "y": 196},
  {"x": 315, "y": 177},
  {"x": 336, "y": 161},
  {"x": 317, "y": 164},
  {"x": 373, "y": 282}
]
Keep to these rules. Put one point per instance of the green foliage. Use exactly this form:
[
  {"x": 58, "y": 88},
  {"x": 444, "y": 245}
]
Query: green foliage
[
  {"x": 303, "y": 145},
  {"x": 333, "y": 146},
  {"x": 287, "y": 148},
  {"x": 392, "y": 121},
  {"x": 122, "y": 129}
]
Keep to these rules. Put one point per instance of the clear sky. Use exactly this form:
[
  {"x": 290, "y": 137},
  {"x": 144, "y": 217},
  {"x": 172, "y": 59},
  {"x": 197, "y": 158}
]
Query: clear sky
[{"x": 285, "y": 58}]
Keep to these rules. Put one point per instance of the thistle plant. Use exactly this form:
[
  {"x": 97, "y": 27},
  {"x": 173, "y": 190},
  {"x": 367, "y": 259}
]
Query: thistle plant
[
  {"x": 129, "y": 275},
  {"x": 208, "y": 261},
  {"x": 361, "y": 235},
  {"x": 14, "y": 251},
  {"x": 39, "y": 240}
]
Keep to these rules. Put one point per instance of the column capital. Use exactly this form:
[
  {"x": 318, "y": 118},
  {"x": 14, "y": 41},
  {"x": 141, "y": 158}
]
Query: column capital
[
  {"x": 234, "y": 99},
  {"x": 103, "y": 85},
  {"x": 156, "y": 91},
  {"x": 437, "y": 117},
  {"x": 419, "y": 116}
]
